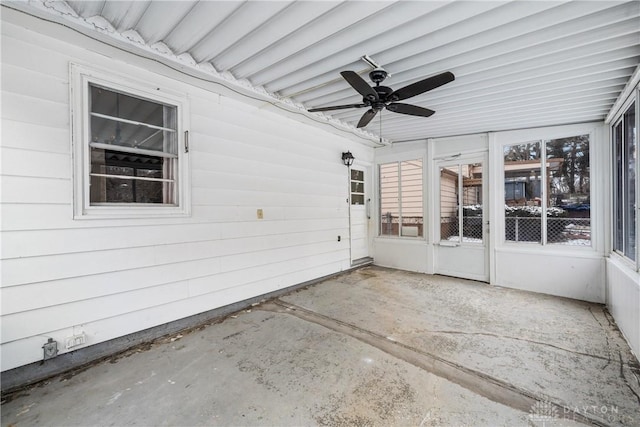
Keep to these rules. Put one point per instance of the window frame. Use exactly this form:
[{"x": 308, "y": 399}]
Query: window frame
[
  {"x": 542, "y": 136},
  {"x": 81, "y": 79},
  {"x": 634, "y": 97},
  {"x": 398, "y": 162}
]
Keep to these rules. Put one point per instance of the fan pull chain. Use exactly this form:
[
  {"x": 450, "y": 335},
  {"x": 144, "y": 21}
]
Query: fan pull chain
[{"x": 380, "y": 134}]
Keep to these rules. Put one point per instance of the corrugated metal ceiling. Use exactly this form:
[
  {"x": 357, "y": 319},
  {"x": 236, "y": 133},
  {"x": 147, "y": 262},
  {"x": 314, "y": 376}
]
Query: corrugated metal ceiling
[{"x": 517, "y": 63}]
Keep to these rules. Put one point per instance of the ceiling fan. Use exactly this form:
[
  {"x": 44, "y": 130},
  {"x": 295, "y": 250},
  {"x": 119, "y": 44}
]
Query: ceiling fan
[{"x": 379, "y": 97}]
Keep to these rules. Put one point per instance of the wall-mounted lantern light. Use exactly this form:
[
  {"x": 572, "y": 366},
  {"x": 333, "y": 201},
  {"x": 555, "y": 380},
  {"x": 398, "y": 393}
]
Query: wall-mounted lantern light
[{"x": 347, "y": 158}]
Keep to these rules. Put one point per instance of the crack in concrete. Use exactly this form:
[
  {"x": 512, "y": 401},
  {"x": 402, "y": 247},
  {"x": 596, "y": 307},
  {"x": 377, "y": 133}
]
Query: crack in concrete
[
  {"x": 624, "y": 378},
  {"x": 606, "y": 336},
  {"x": 477, "y": 382},
  {"x": 488, "y": 334},
  {"x": 622, "y": 364}
]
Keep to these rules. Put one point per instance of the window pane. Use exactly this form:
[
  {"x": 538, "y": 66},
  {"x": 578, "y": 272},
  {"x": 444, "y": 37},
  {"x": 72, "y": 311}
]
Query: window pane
[
  {"x": 357, "y": 199},
  {"x": 449, "y": 185},
  {"x": 114, "y": 104},
  {"x": 106, "y": 131},
  {"x": 113, "y": 188},
  {"x": 618, "y": 194},
  {"x": 118, "y": 190},
  {"x": 629, "y": 178},
  {"x": 411, "y": 200},
  {"x": 357, "y": 175},
  {"x": 568, "y": 193},
  {"x": 357, "y": 187},
  {"x": 389, "y": 200},
  {"x": 154, "y": 130},
  {"x": 522, "y": 180},
  {"x": 472, "y": 202}
]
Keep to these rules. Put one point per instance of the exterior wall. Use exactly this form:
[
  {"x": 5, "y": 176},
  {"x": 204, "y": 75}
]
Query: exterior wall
[
  {"x": 623, "y": 275},
  {"x": 573, "y": 272},
  {"x": 111, "y": 277},
  {"x": 405, "y": 253},
  {"x": 562, "y": 273},
  {"x": 623, "y": 299}
]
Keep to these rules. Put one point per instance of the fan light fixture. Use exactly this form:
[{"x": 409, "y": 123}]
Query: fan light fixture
[{"x": 347, "y": 158}]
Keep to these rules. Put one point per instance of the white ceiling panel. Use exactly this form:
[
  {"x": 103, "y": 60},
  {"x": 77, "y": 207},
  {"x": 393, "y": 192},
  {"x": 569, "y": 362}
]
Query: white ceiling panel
[
  {"x": 517, "y": 63},
  {"x": 236, "y": 28},
  {"x": 199, "y": 22},
  {"x": 171, "y": 13},
  {"x": 124, "y": 16}
]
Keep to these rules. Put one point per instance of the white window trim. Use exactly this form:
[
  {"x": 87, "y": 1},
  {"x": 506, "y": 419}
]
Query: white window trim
[
  {"x": 409, "y": 156},
  {"x": 80, "y": 78},
  {"x": 612, "y": 120},
  {"x": 508, "y": 138}
]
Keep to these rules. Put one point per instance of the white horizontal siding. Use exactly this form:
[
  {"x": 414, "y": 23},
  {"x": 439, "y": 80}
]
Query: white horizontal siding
[
  {"x": 38, "y": 164},
  {"x": 14, "y": 353},
  {"x": 109, "y": 278},
  {"x": 41, "y": 138},
  {"x": 37, "y": 243}
]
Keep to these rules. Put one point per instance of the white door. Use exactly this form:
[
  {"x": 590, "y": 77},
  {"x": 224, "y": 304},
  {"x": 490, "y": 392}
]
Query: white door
[
  {"x": 461, "y": 237},
  {"x": 359, "y": 213}
]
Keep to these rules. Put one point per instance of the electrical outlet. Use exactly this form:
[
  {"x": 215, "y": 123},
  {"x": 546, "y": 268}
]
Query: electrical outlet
[
  {"x": 76, "y": 340},
  {"x": 260, "y": 214},
  {"x": 50, "y": 349}
]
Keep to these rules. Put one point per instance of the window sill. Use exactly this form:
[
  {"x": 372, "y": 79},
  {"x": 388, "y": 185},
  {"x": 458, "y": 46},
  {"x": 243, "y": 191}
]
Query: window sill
[
  {"x": 623, "y": 262},
  {"x": 401, "y": 239},
  {"x": 560, "y": 251},
  {"x": 137, "y": 212}
]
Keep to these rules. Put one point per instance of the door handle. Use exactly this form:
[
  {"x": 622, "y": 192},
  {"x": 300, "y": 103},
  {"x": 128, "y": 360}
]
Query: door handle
[{"x": 368, "y": 208}]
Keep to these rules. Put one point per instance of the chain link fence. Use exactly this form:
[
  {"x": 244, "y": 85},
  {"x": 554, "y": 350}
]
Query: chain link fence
[{"x": 567, "y": 231}]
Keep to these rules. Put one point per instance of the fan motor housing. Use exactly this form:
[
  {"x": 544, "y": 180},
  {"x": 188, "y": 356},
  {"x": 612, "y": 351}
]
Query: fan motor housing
[
  {"x": 383, "y": 91},
  {"x": 383, "y": 94}
]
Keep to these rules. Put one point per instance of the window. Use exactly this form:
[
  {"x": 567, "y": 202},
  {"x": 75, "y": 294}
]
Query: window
[
  {"x": 357, "y": 187},
  {"x": 461, "y": 203},
  {"x": 401, "y": 204},
  {"x": 130, "y": 156},
  {"x": 548, "y": 202},
  {"x": 624, "y": 157}
]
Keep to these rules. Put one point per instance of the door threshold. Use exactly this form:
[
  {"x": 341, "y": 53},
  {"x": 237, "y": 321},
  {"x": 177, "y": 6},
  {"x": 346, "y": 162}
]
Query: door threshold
[{"x": 361, "y": 261}]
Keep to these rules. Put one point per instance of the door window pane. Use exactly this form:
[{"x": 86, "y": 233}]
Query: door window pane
[
  {"x": 471, "y": 202},
  {"x": 357, "y": 187},
  {"x": 461, "y": 186},
  {"x": 449, "y": 184}
]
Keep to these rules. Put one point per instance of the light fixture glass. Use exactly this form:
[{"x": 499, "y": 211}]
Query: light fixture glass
[{"x": 347, "y": 158}]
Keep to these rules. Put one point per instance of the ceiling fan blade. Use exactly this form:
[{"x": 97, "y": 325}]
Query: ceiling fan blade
[
  {"x": 359, "y": 84},
  {"x": 336, "y": 107},
  {"x": 412, "y": 110},
  {"x": 366, "y": 118},
  {"x": 422, "y": 86}
]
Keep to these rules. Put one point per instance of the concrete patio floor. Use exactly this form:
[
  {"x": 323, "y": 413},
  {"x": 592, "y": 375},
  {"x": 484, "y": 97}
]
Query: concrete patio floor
[{"x": 373, "y": 346}]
